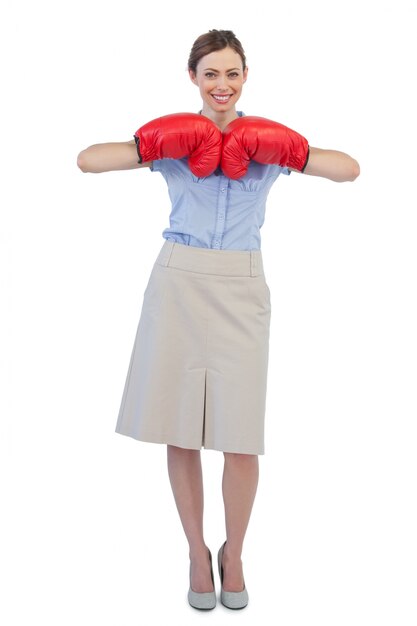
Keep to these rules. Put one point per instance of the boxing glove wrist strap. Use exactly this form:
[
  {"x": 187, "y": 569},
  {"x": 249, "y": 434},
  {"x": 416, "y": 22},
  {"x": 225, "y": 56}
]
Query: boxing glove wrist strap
[
  {"x": 137, "y": 148},
  {"x": 306, "y": 161}
]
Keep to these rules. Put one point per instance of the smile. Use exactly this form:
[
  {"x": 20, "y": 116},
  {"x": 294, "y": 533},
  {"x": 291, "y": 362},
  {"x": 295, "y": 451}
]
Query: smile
[{"x": 221, "y": 98}]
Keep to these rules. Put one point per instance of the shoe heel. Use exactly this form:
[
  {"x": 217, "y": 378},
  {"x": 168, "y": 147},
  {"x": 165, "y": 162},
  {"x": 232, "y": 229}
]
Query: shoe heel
[
  {"x": 203, "y": 601},
  {"x": 231, "y": 599}
]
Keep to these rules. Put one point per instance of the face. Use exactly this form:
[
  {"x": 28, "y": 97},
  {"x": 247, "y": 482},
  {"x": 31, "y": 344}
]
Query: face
[{"x": 220, "y": 78}]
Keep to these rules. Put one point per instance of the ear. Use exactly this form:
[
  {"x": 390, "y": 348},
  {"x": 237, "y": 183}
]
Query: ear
[
  {"x": 192, "y": 76},
  {"x": 245, "y": 74}
]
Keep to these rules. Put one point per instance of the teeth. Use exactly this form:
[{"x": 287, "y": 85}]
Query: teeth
[{"x": 221, "y": 98}]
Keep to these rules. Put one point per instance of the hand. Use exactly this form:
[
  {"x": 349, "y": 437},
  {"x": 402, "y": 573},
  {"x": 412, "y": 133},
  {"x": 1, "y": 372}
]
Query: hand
[
  {"x": 256, "y": 138},
  {"x": 179, "y": 135}
]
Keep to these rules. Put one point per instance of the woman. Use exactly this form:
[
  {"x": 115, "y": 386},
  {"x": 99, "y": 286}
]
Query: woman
[{"x": 197, "y": 374}]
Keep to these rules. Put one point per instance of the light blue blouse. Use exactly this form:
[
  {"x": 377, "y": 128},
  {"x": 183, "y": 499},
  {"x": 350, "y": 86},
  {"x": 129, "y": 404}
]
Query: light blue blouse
[{"x": 216, "y": 211}]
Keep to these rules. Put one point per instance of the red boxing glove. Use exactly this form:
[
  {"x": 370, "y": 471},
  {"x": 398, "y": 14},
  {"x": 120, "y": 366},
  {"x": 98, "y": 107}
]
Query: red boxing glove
[
  {"x": 256, "y": 138},
  {"x": 179, "y": 135}
]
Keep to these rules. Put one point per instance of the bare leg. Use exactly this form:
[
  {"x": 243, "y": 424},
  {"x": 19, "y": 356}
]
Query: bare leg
[
  {"x": 185, "y": 474},
  {"x": 240, "y": 481}
]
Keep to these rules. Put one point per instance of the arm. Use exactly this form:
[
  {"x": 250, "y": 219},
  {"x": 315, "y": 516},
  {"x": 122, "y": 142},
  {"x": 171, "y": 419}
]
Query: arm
[
  {"x": 331, "y": 164},
  {"x": 259, "y": 139},
  {"x": 107, "y": 157},
  {"x": 172, "y": 136}
]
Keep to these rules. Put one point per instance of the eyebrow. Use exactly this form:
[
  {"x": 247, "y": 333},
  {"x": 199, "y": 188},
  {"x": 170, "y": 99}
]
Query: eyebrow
[{"x": 213, "y": 70}]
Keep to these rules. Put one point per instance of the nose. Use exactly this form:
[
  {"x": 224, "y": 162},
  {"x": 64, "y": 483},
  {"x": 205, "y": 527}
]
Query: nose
[{"x": 221, "y": 82}]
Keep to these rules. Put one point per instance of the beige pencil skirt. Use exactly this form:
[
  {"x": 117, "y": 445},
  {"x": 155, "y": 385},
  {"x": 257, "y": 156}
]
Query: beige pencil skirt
[{"x": 198, "y": 370}]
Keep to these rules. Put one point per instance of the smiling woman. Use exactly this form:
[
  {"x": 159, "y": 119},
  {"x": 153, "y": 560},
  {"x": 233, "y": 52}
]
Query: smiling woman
[
  {"x": 219, "y": 71},
  {"x": 197, "y": 376},
  {"x": 220, "y": 77}
]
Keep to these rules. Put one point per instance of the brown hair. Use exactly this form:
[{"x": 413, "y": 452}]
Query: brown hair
[{"x": 211, "y": 42}]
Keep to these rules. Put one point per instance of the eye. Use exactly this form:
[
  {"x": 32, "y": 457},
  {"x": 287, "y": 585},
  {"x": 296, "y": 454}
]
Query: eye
[
  {"x": 209, "y": 74},
  {"x": 233, "y": 74}
]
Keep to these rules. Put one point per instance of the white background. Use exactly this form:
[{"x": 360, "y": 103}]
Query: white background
[{"x": 89, "y": 529}]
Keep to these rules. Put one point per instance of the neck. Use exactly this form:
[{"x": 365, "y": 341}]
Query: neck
[{"x": 221, "y": 119}]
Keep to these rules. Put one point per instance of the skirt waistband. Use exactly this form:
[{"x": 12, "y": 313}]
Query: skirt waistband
[{"x": 211, "y": 260}]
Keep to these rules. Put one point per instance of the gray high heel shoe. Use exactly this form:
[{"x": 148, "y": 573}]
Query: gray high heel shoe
[
  {"x": 231, "y": 599},
  {"x": 206, "y": 600}
]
